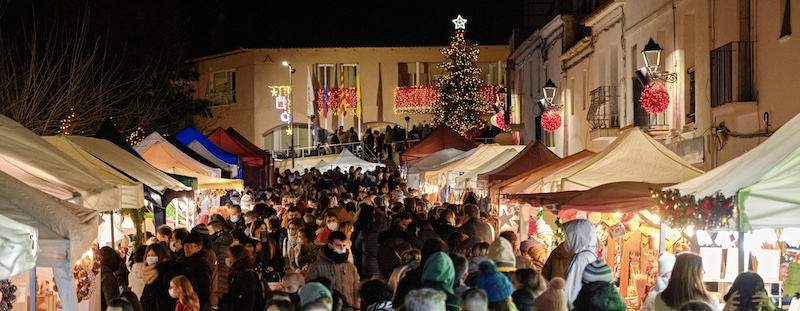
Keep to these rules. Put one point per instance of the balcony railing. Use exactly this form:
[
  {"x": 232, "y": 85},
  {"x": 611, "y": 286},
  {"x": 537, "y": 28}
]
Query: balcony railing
[
  {"x": 604, "y": 109},
  {"x": 733, "y": 73}
]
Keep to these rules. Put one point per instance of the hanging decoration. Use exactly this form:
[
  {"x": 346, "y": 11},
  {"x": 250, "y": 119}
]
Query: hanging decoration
[
  {"x": 84, "y": 272},
  {"x": 499, "y": 120},
  {"x": 66, "y": 123},
  {"x": 334, "y": 99},
  {"x": 420, "y": 98},
  {"x": 655, "y": 98},
  {"x": 681, "y": 211},
  {"x": 8, "y": 296},
  {"x": 551, "y": 120},
  {"x": 137, "y": 217}
]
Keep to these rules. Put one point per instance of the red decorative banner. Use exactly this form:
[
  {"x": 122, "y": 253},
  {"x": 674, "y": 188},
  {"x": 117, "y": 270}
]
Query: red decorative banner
[
  {"x": 420, "y": 99},
  {"x": 334, "y": 100}
]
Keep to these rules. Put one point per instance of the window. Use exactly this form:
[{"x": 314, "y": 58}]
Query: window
[
  {"x": 690, "y": 111},
  {"x": 418, "y": 73},
  {"x": 348, "y": 73},
  {"x": 492, "y": 73},
  {"x": 641, "y": 117},
  {"x": 786, "y": 26},
  {"x": 326, "y": 73},
  {"x": 222, "y": 90}
]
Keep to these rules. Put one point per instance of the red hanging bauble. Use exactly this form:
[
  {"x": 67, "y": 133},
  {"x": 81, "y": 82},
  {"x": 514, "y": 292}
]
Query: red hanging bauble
[
  {"x": 655, "y": 98},
  {"x": 551, "y": 120}
]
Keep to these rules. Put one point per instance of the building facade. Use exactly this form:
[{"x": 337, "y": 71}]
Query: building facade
[
  {"x": 732, "y": 77},
  {"x": 239, "y": 84}
]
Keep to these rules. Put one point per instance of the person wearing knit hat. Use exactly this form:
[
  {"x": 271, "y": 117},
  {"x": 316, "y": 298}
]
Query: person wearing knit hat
[
  {"x": 502, "y": 252},
  {"x": 497, "y": 286},
  {"x": 313, "y": 291},
  {"x": 598, "y": 292},
  {"x": 554, "y": 298}
]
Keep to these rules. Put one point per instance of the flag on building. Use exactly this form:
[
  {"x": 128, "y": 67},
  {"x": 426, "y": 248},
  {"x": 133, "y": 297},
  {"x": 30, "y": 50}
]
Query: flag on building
[
  {"x": 310, "y": 94},
  {"x": 325, "y": 101},
  {"x": 358, "y": 93},
  {"x": 342, "y": 94}
]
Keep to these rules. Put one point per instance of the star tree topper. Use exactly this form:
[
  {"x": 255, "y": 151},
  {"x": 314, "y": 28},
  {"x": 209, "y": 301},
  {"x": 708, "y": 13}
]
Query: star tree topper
[{"x": 460, "y": 22}]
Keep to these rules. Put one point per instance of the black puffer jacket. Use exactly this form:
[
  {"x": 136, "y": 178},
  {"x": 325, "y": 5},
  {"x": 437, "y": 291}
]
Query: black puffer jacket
[
  {"x": 155, "y": 296},
  {"x": 367, "y": 244},
  {"x": 242, "y": 287},
  {"x": 200, "y": 271}
]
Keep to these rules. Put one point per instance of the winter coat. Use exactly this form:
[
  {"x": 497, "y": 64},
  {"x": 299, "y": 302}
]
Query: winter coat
[
  {"x": 200, "y": 271},
  {"x": 242, "y": 284},
  {"x": 155, "y": 296},
  {"x": 393, "y": 243},
  {"x": 136, "y": 279},
  {"x": 221, "y": 242},
  {"x": 367, "y": 244},
  {"x": 110, "y": 287},
  {"x": 439, "y": 273},
  {"x": 581, "y": 240},
  {"x": 523, "y": 299},
  {"x": 443, "y": 229},
  {"x": 343, "y": 276},
  {"x": 556, "y": 265},
  {"x": 474, "y": 227}
]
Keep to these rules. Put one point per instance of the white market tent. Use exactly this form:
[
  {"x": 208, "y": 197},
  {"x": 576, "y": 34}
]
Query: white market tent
[
  {"x": 633, "y": 157},
  {"x": 20, "y": 248},
  {"x": 197, "y": 147},
  {"x": 766, "y": 179},
  {"x": 164, "y": 156},
  {"x": 30, "y": 159},
  {"x": 346, "y": 159},
  {"x": 131, "y": 192},
  {"x": 128, "y": 163},
  {"x": 416, "y": 168},
  {"x": 470, "y": 178},
  {"x": 445, "y": 174},
  {"x": 66, "y": 230},
  {"x": 208, "y": 182},
  {"x": 305, "y": 162}
]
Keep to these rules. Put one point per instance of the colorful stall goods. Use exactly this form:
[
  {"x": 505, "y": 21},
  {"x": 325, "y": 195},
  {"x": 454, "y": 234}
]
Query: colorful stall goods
[{"x": 7, "y": 295}]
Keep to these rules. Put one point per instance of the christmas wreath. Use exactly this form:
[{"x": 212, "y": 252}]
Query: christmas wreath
[
  {"x": 655, "y": 98},
  {"x": 551, "y": 120},
  {"x": 679, "y": 211},
  {"x": 7, "y": 298}
]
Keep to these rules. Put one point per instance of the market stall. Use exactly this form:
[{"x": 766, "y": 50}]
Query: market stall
[
  {"x": 255, "y": 162},
  {"x": 347, "y": 159},
  {"x": 468, "y": 180},
  {"x": 534, "y": 155},
  {"x": 203, "y": 146},
  {"x": 165, "y": 156},
  {"x": 442, "y": 137},
  {"x": 417, "y": 167}
]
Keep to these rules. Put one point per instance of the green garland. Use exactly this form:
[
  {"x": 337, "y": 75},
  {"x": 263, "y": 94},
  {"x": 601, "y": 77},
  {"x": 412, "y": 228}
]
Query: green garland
[
  {"x": 137, "y": 216},
  {"x": 680, "y": 211}
]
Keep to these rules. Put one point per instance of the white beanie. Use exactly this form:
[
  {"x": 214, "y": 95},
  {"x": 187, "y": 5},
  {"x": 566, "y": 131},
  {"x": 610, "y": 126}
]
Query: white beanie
[{"x": 665, "y": 263}]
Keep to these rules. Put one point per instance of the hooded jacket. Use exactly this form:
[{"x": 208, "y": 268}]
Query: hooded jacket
[
  {"x": 581, "y": 240},
  {"x": 413, "y": 278},
  {"x": 439, "y": 274},
  {"x": 556, "y": 265}
]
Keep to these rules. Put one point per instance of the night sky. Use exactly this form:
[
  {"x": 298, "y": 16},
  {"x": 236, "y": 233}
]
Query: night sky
[{"x": 205, "y": 27}]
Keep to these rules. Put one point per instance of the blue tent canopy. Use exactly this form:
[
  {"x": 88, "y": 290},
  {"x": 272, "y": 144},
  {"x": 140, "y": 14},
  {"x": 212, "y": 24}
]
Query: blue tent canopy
[{"x": 187, "y": 135}]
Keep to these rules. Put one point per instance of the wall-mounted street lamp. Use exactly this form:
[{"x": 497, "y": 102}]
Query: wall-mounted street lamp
[
  {"x": 652, "y": 60},
  {"x": 546, "y": 103}
]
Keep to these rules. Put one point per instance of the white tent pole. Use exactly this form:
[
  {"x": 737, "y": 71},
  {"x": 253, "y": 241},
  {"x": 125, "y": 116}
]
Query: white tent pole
[
  {"x": 113, "y": 241},
  {"x": 32, "y": 288}
]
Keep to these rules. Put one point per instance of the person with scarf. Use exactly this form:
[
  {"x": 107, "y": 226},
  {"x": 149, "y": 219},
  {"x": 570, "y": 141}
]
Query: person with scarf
[
  {"x": 333, "y": 265},
  {"x": 157, "y": 272}
]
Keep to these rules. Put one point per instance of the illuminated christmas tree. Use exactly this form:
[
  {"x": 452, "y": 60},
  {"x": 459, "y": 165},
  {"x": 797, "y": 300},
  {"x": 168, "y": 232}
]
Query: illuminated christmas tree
[{"x": 460, "y": 103}]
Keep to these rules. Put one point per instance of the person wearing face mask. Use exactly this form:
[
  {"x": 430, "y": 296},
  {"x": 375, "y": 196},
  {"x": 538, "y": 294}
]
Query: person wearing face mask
[
  {"x": 181, "y": 290},
  {"x": 331, "y": 224},
  {"x": 242, "y": 281},
  {"x": 289, "y": 244},
  {"x": 267, "y": 253},
  {"x": 305, "y": 252},
  {"x": 157, "y": 271},
  {"x": 334, "y": 266},
  {"x": 176, "y": 244},
  {"x": 236, "y": 219},
  {"x": 292, "y": 283},
  {"x": 135, "y": 278},
  {"x": 199, "y": 268}
]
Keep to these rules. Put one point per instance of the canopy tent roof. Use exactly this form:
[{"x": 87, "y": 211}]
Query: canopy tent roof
[
  {"x": 208, "y": 182},
  {"x": 28, "y": 158},
  {"x": 442, "y": 137},
  {"x": 165, "y": 156},
  {"x": 109, "y": 131},
  {"x": 65, "y": 231},
  {"x": 203, "y": 152},
  {"x": 469, "y": 179},
  {"x": 128, "y": 163},
  {"x": 634, "y": 156},
  {"x": 320, "y": 164},
  {"x": 482, "y": 154},
  {"x": 432, "y": 160},
  {"x": 534, "y": 155},
  {"x": 189, "y": 135},
  {"x": 305, "y": 162},
  {"x": 531, "y": 181},
  {"x": 20, "y": 249},
  {"x": 131, "y": 192},
  {"x": 212, "y": 162},
  {"x": 618, "y": 197},
  {"x": 346, "y": 159},
  {"x": 244, "y": 149},
  {"x": 765, "y": 179}
]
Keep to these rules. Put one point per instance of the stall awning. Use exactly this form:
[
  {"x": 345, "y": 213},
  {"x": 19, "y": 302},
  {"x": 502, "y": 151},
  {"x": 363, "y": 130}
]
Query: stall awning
[
  {"x": 482, "y": 154},
  {"x": 442, "y": 137},
  {"x": 621, "y": 197},
  {"x": 534, "y": 155},
  {"x": 208, "y": 182}
]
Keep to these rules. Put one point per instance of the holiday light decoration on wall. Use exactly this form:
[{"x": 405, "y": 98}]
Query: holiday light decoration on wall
[
  {"x": 420, "y": 98},
  {"x": 655, "y": 98},
  {"x": 551, "y": 120},
  {"x": 282, "y": 93},
  {"x": 334, "y": 100}
]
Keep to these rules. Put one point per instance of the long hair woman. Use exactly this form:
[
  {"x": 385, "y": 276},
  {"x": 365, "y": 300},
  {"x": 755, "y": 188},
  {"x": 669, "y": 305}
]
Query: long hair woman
[
  {"x": 157, "y": 272},
  {"x": 181, "y": 290},
  {"x": 748, "y": 293},
  {"x": 686, "y": 285}
]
